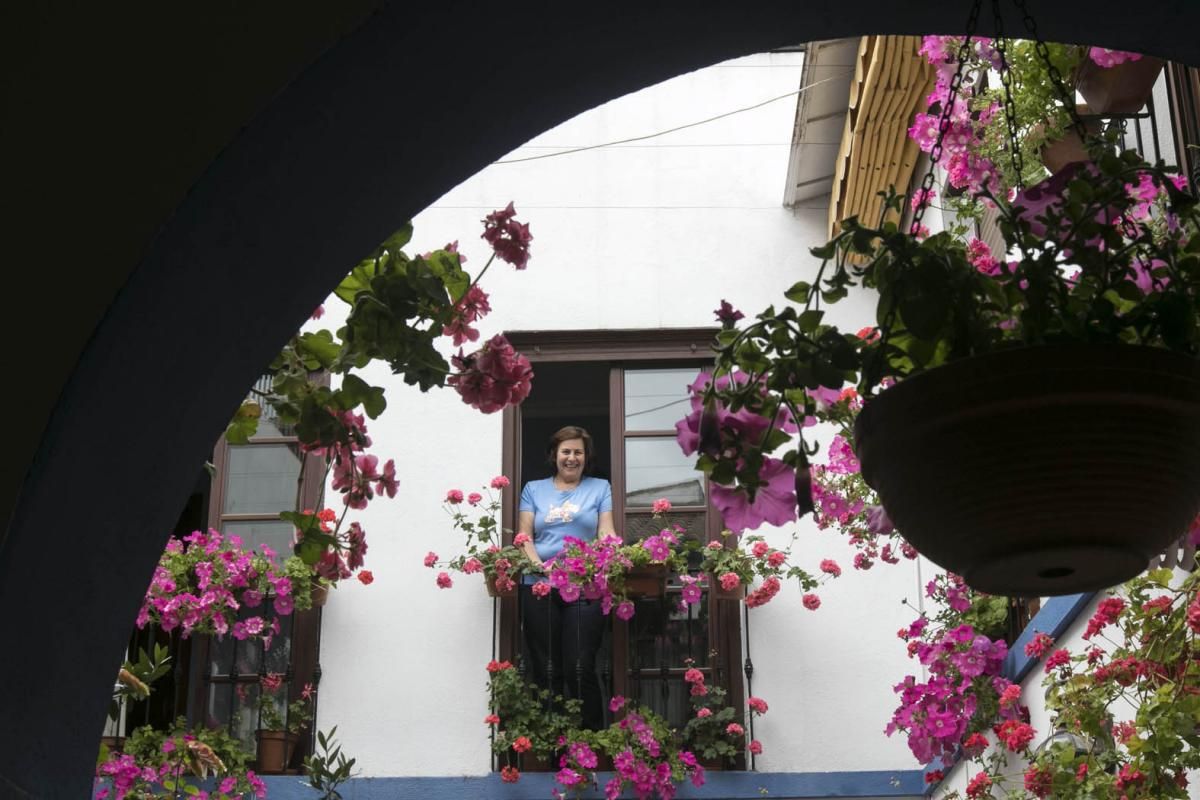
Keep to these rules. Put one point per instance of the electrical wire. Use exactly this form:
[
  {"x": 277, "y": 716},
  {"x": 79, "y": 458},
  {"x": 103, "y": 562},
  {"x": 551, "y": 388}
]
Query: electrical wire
[{"x": 799, "y": 91}]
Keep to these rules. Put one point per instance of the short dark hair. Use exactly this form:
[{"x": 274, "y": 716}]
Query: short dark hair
[{"x": 563, "y": 434}]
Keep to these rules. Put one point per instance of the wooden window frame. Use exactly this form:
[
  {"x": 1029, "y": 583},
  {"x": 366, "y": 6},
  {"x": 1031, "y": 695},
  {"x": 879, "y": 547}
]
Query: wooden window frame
[
  {"x": 304, "y": 663},
  {"x": 621, "y": 349}
]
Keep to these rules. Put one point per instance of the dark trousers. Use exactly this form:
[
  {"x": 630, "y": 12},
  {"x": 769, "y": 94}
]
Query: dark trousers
[{"x": 562, "y": 639}]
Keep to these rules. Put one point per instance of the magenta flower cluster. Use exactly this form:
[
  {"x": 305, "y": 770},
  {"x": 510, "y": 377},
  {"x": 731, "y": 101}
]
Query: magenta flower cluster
[
  {"x": 585, "y": 569},
  {"x": 646, "y": 766},
  {"x": 963, "y": 668},
  {"x": 122, "y": 775},
  {"x": 205, "y": 579},
  {"x": 936, "y": 714}
]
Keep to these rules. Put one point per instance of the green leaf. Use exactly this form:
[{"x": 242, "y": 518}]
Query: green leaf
[
  {"x": 799, "y": 292},
  {"x": 244, "y": 423},
  {"x": 357, "y": 392},
  {"x": 446, "y": 266},
  {"x": 320, "y": 348},
  {"x": 809, "y": 320},
  {"x": 398, "y": 239}
]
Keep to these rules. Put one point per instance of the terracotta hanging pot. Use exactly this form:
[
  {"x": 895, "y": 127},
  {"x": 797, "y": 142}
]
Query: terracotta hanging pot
[
  {"x": 1042, "y": 470},
  {"x": 320, "y": 594},
  {"x": 647, "y": 581},
  {"x": 493, "y": 591},
  {"x": 275, "y": 750},
  {"x": 1120, "y": 89},
  {"x": 1058, "y": 154}
]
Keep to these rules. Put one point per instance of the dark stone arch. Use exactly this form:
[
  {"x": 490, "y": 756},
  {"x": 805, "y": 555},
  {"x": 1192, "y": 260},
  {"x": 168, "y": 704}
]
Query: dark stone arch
[{"x": 413, "y": 102}]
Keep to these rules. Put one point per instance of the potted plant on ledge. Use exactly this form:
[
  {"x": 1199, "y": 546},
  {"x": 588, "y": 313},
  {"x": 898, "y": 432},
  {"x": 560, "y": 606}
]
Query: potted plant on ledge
[
  {"x": 502, "y": 565},
  {"x": 280, "y": 723}
]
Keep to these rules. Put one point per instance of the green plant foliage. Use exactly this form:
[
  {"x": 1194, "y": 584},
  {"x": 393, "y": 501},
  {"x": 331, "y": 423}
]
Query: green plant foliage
[{"x": 327, "y": 768}]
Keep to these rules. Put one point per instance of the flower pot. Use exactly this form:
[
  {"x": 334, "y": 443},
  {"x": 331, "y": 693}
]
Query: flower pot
[
  {"x": 1059, "y": 153},
  {"x": 492, "y": 591},
  {"x": 275, "y": 750},
  {"x": 320, "y": 594},
  {"x": 1041, "y": 470},
  {"x": 714, "y": 587},
  {"x": 647, "y": 581},
  {"x": 1120, "y": 89}
]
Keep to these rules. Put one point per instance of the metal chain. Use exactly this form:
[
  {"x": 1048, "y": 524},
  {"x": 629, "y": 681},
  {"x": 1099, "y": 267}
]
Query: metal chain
[
  {"x": 935, "y": 154},
  {"x": 1010, "y": 108},
  {"x": 1060, "y": 85}
]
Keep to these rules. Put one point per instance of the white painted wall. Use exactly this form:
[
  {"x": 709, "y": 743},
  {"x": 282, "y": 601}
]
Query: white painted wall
[{"x": 643, "y": 235}]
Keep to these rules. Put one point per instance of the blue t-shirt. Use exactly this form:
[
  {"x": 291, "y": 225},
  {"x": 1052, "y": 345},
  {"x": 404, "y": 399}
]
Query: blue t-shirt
[{"x": 558, "y": 513}]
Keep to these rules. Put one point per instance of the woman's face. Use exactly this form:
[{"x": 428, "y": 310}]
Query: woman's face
[{"x": 569, "y": 459}]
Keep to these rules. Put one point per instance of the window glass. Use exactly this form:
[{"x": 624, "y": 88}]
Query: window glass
[
  {"x": 665, "y": 636},
  {"x": 261, "y": 478},
  {"x": 655, "y": 399},
  {"x": 656, "y": 468},
  {"x": 276, "y": 534}
]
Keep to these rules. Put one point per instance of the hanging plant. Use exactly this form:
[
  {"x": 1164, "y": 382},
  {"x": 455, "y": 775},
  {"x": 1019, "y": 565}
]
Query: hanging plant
[{"x": 1029, "y": 396}]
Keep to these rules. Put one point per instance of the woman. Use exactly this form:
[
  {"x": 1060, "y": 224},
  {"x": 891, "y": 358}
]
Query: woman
[{"x": 563, "y": 637}]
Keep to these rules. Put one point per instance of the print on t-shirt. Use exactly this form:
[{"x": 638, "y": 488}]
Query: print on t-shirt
[{"x": 564, "y": 513}]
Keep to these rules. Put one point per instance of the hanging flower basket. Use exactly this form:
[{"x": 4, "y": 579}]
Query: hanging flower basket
[
  {"x": 1042, "y": 470},
  {"x": 1120, "y": 89}
]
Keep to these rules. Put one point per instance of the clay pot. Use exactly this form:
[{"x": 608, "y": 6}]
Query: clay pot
[
  {"x": 1122, "y": 89},
  {"x": 320, "y": 594},
  {"x": 490, "y": 584},
  {"x": 1070, "y": 148},
  {"x": 275, "y": 750},
  {"x": 1041, "y": 470}
]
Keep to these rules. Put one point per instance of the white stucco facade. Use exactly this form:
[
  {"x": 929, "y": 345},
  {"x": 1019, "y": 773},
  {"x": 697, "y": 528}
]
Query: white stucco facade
[{"x": 648, "y": 234}]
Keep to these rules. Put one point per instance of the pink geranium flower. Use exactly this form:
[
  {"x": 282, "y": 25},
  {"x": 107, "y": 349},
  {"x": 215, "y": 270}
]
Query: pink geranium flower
[
  {"x": 729, "y": 581},
  {"x": 509, "y": 239},
  {"x": 443, "y": 581}
]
